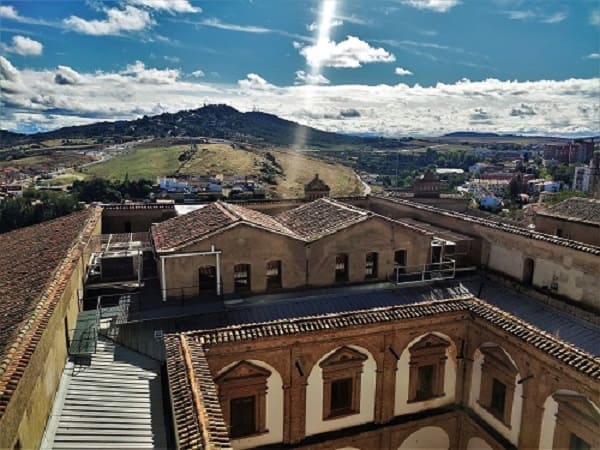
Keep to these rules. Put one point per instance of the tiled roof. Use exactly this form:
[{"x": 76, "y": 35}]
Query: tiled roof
[
  {"x": 575, "y": 245},
  {"x": 198, "y": 341},
  {"x": 37, "y": 263},
  {"x": 198, "y": 418},
  {"x": 321, "y": 217},
  {"x": 183, "y": 230},
  {"x": 585, "y": 210}
]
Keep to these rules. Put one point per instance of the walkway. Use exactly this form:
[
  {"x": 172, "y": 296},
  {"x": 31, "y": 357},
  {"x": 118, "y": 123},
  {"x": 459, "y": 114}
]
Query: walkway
[{"x": 114, "y": 401}]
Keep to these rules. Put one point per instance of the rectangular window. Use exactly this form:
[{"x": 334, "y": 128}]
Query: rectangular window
[
  {"x": 207, "y": 279},
  {"x": 400, "y": 259},
  {"x": 425, "y": 382},
  {"x": 242, "y": 416},
  {"x": 371, "y": 265},
  {"x": 274, "y": 275},
  {"x": 241, "y": 277},
  {"x": 577, "y": 443},
  {"x": 341, "y": 397},
  {"x": 498, "y": 399},
  {"x": 341, "y": 268}
]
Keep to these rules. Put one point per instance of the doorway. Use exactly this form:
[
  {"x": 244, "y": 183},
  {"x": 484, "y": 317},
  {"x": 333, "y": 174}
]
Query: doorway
[{"x": 528, "y": 269}]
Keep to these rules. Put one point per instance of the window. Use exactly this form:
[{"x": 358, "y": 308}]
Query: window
[
  {"x": 207, "y": 279},
  {"x": 498, "y": 375},
  {"x": 427, "y": 368},
  {"x": 242, "y": 417},
  {"x": 498, "y": 401},
  {"x": 342, "y": 372},
  {"x": 400, "y": 259},
  {"x": 577, "y": 421},
  {"x": 577, "y": 443},
  {"x": 341, "y": 267},
  {"x": 371, "y": 265},
  {"x": 242, "y": 393},
  {"x": 274, "y": 275},
  {"x": 341, "y": 397},
  {"x": 425, "y": 383},
  {"x": 241, "y": 278}
]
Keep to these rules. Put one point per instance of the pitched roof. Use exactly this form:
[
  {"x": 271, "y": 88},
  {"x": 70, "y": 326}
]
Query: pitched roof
[
  {"x": 322, "y": 217},
  {"x": 37, "y": 263},
  {"x": 586, "y": 210},
  {"x": 189, "y": 348},
  {"x": 575, "y": 245},
  {"x": 180, "y": 231}
]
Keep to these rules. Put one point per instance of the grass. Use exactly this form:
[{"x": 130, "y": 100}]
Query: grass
[
  {"x": 47, "y": 162},
  {"x": 139, "y": 163},
  {"x": 299, "y": 169}
]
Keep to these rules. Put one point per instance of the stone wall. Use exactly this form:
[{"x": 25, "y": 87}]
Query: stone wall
[{"x": 569, "y": 229}]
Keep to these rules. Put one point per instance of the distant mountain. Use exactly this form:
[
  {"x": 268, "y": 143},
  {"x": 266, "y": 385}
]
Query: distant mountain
[
  {"x": 214, "y": 121},
  {"x": 473, "y": 134}
]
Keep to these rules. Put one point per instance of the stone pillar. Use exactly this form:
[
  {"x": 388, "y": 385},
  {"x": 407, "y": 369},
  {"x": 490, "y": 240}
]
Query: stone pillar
[
  {"x": 533, "y": 407},
  {"x": 388, "y": 382}
]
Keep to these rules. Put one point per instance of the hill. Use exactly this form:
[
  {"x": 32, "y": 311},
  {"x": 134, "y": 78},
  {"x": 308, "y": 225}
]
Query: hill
[{"x": 212, "y": 121}]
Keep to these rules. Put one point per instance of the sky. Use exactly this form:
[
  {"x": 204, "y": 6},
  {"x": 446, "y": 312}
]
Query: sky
[{"x": 377, "y": 67}]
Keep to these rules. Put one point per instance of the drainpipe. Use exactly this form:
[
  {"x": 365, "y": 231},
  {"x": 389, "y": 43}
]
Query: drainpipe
[{"x": 212, "y": 251}]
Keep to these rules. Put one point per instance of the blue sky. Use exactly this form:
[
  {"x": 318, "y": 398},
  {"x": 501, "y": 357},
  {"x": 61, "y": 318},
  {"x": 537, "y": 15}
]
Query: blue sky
[{"x": 400, "y": 66}]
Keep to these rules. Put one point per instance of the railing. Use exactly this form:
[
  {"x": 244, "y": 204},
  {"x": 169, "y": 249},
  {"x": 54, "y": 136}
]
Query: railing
[
  {"x": 444, "y": 270},
  {"x": 83, "y": 343}
]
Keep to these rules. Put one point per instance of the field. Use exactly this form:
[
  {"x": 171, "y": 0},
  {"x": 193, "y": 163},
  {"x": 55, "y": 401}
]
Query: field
[
  {"x": 298, "y": 169},
  {"x": 48, "y": 162}
]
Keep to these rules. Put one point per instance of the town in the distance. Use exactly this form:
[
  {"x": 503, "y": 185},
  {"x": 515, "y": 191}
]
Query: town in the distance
[{"x": 299, "y": 225}]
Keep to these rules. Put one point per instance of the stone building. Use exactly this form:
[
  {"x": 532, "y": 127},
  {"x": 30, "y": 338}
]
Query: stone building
[
  {"x": 574, "y": 218},
  {"x": 41, "y": 281},
  {"x": 427, "y": 185},
  {"x": 455, "y": 373},
  {"x": 315, "y": 189},
  {"x": 226, "y": 248},
  {"x": 367, "y": 322}
]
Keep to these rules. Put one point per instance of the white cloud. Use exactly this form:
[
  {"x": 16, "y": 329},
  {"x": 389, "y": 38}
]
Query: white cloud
[
  {"x": 351, "y": 53},
  {"x": 255, "y": 82},
  {"x": 198, "y": 73},
  {"x": 33, "y": 98},
  {"x": 24, "y": 46},
  {"x": 117, "y": 21},
  {"x": 150, "y": 76},
  {"x": 9, "y": 12},
  {"x": 66, "y": 75},
  {"x": 432, "y": 5},
  {"x": 216, "y": 23},
  {"x": 593, "y": 56},
  {"x": 536, "y": 15},
  {"x": 308, "y": 78},
  {"x": 334, "y": 23},
  {"x": 401, "y": 71},
  {"x": 595, "y": 17},
  {"x": 172, "y": 6},
  {"x": 171, "y": 59},
  {"x": 555, "y": 18}
]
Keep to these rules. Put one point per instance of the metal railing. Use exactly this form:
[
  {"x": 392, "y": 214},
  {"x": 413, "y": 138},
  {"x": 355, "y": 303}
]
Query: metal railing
[{"x": 444, "y": 270}]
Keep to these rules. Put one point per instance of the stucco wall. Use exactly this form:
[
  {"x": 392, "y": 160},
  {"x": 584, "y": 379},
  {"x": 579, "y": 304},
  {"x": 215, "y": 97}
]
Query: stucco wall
[
  {"x": 430, "y": 438},
  {"x": 274, "y": 411},
  {"x": 509, "y": 432},
  {"x": 314, "y": 398},
  {"x": 26, "y": 414},
  {"x": 571, "y": 230},
  {"x": 401, "y": 403}
]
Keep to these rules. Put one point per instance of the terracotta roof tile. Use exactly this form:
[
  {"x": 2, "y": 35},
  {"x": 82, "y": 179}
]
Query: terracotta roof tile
[
  {"x": 183, "y": 230},
  {"x": 322, "y": 217},
  {"x": 37, "y": 263},
  {"x": 198, "y": 341},
  {"x": 575, "y": 245},
  {"x": 585, "y": 210}
]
